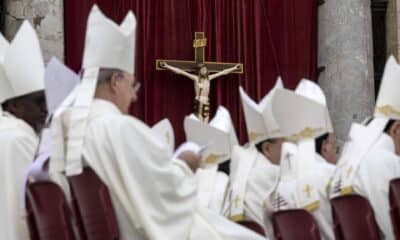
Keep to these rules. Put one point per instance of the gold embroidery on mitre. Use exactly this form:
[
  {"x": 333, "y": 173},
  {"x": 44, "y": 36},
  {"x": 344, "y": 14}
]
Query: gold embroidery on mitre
[
  {"x": 305, "y": 133},
  {"x": 213, "y": 158},
  {"x": 274, "y": 131},
  {"x": 387, "y": 110},
  {"x": 254, "y": 135}
]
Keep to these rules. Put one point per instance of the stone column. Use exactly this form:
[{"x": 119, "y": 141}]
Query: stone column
[
  {"x": 346, "y": 50},
  {"x": 46, "y": 16},
  {"x": 393, "y": 28}
]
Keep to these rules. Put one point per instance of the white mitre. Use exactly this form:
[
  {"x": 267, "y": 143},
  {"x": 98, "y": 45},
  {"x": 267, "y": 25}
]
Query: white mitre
[
  {"x": 25, "y": 51},
  {"x": 299, "y": 117},
  {"x": 388, "y": 101},
  {"x": 219, "y": 136},
  {"x": 260, "y": 122},
  {"x": 314, "y": 92}
]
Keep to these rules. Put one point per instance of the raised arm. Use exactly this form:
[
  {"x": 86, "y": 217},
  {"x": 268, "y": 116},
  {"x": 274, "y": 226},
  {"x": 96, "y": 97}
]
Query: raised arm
[
  {"x": 178, "y": 71},
  {"x": 224, "y": 72}
]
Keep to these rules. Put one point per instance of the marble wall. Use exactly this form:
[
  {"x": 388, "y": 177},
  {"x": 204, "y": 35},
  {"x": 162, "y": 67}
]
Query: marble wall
[{"x": 47, "y": 18}]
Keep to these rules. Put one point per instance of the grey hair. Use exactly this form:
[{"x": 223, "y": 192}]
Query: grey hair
[{"x": 105, "y": 75}]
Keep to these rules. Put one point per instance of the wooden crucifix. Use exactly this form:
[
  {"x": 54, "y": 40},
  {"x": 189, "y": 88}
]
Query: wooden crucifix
[{"x": 201, "y": 72}]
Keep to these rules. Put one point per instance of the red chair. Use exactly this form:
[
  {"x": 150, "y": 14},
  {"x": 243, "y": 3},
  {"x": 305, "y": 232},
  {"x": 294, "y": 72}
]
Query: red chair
[
  {"x": 354, "y": 219},
  {"x": 252, "y": 226},
  {"x": 296, "y": 224},
  {"x": 49, "y": 216},
  {"x": 394, "y": 198},
  {"x": 93, "y": 207}
]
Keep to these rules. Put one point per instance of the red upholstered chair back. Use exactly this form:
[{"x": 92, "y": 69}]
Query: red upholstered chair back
[
  {"x": 354, "y": 218},
  {"x": 297, "y": 224},
  {"x": 394, "y": 198},
  {"x": 49, "y": 217},
  {"x": 93, "y": 207},
  {"x": 253, "y": 226}
]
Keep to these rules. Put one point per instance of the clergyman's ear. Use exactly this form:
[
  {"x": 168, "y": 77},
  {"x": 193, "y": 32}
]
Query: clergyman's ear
[
  {"x": 113, "y": 82},
  {"x": 266, "y": 149},
  {"x": 324, "y": 146},
  {"x": 394, "y": 130}
]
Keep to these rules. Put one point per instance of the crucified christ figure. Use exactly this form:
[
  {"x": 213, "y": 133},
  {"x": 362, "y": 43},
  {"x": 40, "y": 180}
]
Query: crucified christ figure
[{"x": 201, "y": 86}]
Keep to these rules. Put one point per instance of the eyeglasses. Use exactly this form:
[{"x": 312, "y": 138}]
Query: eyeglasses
[{"x": 136, "y": 86}]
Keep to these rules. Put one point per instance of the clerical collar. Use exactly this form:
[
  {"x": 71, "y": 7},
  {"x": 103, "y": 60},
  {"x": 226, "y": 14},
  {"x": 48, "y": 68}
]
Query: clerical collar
[
  {"x": 385, "y": 142},
  {"x": 105, "y": 105}
]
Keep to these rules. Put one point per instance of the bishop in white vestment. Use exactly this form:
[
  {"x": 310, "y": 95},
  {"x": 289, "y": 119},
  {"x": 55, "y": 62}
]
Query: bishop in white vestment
[
  {"x": 372, "y": 158},
  {"x": 255, "y": 169},
  {"x": 304, "y": 175},
  {"x": 23, "y": 101},
  {"x": 220, "y": 137}
]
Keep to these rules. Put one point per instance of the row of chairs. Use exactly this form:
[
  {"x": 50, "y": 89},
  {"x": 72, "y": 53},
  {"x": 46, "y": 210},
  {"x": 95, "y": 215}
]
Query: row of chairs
[
  {"x": 92, "y": 216},
  {"x": 353, "y": 219}
]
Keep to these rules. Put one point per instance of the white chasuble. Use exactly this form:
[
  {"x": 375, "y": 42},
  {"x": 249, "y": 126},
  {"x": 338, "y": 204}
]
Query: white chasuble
[
  {"x": 154, "y": 197},
  {"x": 18, "y": 143},
  {"x": 252, "y": 180},
  {"x": 376, "y": 170}
]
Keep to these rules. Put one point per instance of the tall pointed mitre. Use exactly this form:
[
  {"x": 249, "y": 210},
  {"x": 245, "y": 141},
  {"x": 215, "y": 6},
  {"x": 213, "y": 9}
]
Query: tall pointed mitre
[
  {"x": 388, "y": 101},
  {"x": 107, "y": 45},
  {"x": 260, "y": 122},
  {"x": 219, "y": 136},
  {"x": 59, "y": 81},
  {"x": 313, "y": 91},
  {"x": 22, "y": 64},
  {"x": 299, "y": 117}
]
